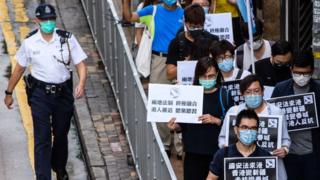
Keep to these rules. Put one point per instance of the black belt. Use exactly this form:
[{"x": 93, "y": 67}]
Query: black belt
[
  {"x": 159, "y": 54},
  {"x": 50, "y": 88}
]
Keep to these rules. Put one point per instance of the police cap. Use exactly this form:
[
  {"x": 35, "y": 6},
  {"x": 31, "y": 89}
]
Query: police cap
[{"x": 45, "y": 11}]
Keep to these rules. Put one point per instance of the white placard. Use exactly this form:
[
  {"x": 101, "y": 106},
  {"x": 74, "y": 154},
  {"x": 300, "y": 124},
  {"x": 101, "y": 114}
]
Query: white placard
[
  {"x": 179, "y": 101},
  {"x": 220, "y": 24},
  {"x": 185, "y": 72},
  {"x": 268, "y": 90}
]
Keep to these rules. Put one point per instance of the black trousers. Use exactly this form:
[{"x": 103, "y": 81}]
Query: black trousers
[
  {"x": 196, "y": 166},
  {"x": 51, "y": 115},
  {"x": 302, "y": 167}
]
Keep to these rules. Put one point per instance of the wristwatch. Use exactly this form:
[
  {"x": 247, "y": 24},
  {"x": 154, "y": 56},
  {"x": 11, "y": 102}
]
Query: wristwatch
[{"x": 8, "y": 93}]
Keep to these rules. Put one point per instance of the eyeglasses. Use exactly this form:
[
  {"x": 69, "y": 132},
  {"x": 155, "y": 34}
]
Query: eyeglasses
[
  {"x": 305, "y": 74},
  {"x": 244, "y": 127},
  {"x": 278, "y": 63},
  {"x": 221, "y": 59},
  {"x": 252, "y": 91}
]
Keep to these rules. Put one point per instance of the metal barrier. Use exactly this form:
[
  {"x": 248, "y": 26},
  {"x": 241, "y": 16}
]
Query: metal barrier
[{"x": 147, "y": 149}]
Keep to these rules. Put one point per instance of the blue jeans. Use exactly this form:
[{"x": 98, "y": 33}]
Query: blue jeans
[{"x": 51, "y": 115}]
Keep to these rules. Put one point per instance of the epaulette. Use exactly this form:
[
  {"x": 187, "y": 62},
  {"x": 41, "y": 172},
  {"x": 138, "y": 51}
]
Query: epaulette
[
  {"x": 32, "y": 33},
  {"x": 63, "y": 33}
]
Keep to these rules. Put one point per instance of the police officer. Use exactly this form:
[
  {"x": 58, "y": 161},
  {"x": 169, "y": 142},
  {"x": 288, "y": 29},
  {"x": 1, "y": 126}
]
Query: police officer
[{"x": 49, "y": 51}]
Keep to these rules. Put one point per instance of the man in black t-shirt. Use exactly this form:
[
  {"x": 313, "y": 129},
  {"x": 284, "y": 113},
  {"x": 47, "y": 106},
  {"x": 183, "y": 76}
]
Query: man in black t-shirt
[
  {"x": 246, "y": 130},
  {"x": 191, "y": 44},
  {"x": 276, "y": 68}
]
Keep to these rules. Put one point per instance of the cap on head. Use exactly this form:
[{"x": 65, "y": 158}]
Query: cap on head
[{"x": 45, "y": 11}]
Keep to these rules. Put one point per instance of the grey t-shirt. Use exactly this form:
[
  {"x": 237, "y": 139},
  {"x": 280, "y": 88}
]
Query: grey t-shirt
[{"x": 301, "y": 141}]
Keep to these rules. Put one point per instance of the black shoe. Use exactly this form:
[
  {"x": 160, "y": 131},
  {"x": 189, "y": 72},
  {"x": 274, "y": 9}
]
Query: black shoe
[{"x": 62, "y": 175}]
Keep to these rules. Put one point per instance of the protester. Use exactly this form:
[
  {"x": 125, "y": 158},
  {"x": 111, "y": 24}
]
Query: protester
[
  {"x": 200, "y": 140},
  {"x": 167, "y": 21},
  {"x": 246, "y": 129},
  {"x": 225, "y": 6},
  {"x": 276, "y": 68},
  {"x": 252, "y": 89},
  {"x": 223, "y": 53},
  {"x": 303, "y": 160},
  {"x": 261, "y": 47},
  {"x": 185, "y": 44}
]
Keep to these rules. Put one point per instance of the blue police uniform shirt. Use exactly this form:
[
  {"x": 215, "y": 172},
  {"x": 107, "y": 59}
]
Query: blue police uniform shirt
[
  {"x": 216, "y": 165},
  {"x": 167, "y": 23},
  {"x": 44, "y": 57}
]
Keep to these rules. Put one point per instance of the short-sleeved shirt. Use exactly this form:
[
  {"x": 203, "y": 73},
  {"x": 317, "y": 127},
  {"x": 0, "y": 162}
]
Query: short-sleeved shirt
[
  {"x": 217, "y": 164},
  {"x": 44, "y": 57},
  {"x": 223, "y": 6},
  {"x": 181, "y": 47},
  {"x": 235, "y": 72},
  {"x": 166, "y": 22}
]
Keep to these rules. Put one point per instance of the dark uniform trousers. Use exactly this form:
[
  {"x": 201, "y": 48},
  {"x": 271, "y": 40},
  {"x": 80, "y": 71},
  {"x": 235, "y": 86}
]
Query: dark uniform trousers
[{"x": 51, "y": 115}]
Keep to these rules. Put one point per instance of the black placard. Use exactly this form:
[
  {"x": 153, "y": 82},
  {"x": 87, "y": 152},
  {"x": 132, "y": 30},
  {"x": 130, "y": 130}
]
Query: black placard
[
  {"x": 269, "y": 132},
  {"x": 251, "y": 168},
  {"x": 300, "y": 110},
  {"x": 234, "y": 88}
]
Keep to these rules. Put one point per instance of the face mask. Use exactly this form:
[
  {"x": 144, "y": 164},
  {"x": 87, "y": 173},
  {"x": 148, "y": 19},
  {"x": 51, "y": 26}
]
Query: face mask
[
  {"x": 300, "y": 79},
  {"x": 47, "y": 26},
  {"x": 195, "y": 33},
  {"x": 169, "y": 2},
  {"x": 247, "y": 137},
  {"x": 256, "y": 44},
  {"x": 253, "y": 101},
  {"x": 205, "y": 9},
  {"x": 226, "y": 65},
  {"x": 207, "y": 84}
]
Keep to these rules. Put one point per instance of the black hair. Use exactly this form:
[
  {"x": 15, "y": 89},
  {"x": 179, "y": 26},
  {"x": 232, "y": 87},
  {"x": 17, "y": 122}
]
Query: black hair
[
  {"x": 194, "y": 14},
  {"x": 245, "y": 31},
  {"x": 281, "y": 48},
  {"x": 247, "y": 113},
  {"x": 202, "y": 67},
  {"x": 303, "y": 59},
  {"x": 247, "y": 81},
  {"x": 221, "y": 47}
]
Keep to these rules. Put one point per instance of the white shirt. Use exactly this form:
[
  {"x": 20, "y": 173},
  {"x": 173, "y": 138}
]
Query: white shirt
[
  {"x": 247, "y": 54},
  {"x": 43, "y": 56},
  {"x": 244, "y": 74}
]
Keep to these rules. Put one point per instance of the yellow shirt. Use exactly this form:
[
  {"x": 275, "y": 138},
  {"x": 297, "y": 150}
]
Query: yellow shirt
[{"x": 223, "y": 6}]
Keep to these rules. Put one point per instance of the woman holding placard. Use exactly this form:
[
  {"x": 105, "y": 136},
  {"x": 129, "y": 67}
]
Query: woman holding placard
[{"x": 200, "y": 140}]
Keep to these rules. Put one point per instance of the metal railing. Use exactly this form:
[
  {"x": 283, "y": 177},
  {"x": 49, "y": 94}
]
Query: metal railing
[{"x": 147, "y": 149}]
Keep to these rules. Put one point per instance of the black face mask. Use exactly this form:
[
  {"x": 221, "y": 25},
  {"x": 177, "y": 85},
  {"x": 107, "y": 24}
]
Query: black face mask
[
  {"x": 282, "y": 71},
  {"x": 195, "y": 33}
]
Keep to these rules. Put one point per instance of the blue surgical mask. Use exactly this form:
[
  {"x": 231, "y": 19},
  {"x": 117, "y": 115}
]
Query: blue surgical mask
[
  {"x": 207, "y": 84},
  {"x": 47, "y": 26},
  {"x": 169, "y": 2},
  {"x": 226, "y": 65},
  {"x": 206, "y": 9},
  {"x": 247, "y": 137},
  {"x": 253, "y": 101}
]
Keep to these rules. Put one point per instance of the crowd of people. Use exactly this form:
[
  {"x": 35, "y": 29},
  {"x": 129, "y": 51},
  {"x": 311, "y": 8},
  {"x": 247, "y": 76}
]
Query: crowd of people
[{"x": 179, "y": 35}]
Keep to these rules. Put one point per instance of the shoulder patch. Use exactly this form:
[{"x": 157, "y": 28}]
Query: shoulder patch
[
  {"x": 32, "y": 33},
  {"x": 63, "y": 33}
]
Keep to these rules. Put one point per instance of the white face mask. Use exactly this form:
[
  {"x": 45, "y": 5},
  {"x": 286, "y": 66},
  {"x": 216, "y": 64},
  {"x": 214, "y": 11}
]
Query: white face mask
[
  {"x": 300, "y": 79},
  {"x": 256, "y": 44}
]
